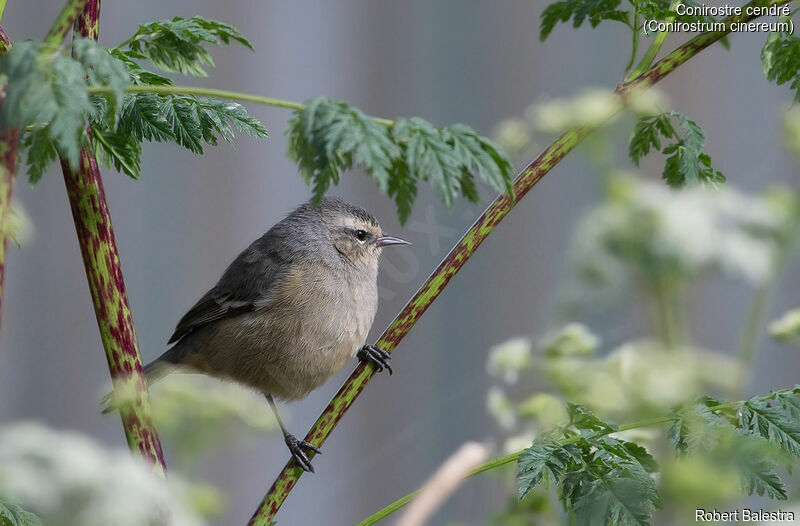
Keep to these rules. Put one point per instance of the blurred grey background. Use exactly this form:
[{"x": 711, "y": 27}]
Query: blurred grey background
[{"x": 447, "y": 61}]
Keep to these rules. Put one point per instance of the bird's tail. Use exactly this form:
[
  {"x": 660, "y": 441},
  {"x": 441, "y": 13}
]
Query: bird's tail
[{"x": 153, "y": 372}]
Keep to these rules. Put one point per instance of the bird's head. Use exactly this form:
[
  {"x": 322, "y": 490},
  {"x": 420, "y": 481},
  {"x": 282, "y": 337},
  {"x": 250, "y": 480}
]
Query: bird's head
[{"x": 354, "y": 232}]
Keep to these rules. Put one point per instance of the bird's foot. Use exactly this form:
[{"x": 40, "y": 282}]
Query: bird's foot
[
  {"x": 297, "y": 447},
  {"x": 376, "y": 355}
]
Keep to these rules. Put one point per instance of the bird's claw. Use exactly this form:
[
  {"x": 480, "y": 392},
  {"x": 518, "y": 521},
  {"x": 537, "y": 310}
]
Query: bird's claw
[
  {"x": 376, "y": 355},
  {"x": 296, "y": 448}
]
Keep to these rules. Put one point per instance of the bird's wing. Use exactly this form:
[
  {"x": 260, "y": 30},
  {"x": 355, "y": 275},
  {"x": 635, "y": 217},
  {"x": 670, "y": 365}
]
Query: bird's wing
[
  {"x": 211, "y": 307},
  {"x": 245, "y": 285}
]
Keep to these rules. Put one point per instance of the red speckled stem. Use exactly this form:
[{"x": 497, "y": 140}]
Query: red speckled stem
[
  {"x": 9, "y": 141},
  {"x": 64, "y": 21},
  {"x": 5, "y": 42},
  {"x": 459, "y": 255},
  {"x": 104, "y": 273}
]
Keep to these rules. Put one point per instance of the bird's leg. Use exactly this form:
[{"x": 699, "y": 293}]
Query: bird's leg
[
  {"x": 376, "y": 355},
  {"x": 295, "y": 446}
]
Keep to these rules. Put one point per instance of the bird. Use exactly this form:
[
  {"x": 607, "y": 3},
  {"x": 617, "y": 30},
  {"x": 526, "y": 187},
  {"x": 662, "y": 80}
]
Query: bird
[{"x": 290, "y": 310}]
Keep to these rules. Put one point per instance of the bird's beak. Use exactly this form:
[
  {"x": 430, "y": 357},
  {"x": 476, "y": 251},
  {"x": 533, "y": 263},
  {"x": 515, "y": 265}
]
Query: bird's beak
[{"x": 387, "y": 240}]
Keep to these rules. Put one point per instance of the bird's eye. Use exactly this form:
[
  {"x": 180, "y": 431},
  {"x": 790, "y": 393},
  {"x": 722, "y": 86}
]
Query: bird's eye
[{"x": 361, "y": 235}]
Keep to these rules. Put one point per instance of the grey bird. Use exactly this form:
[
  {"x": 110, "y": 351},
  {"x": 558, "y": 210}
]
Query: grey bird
[{"x": 290, "y": 310}]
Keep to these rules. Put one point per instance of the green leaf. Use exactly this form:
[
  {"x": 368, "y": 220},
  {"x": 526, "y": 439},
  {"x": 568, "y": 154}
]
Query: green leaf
[
  {"x": 545, "y": 461},
  {"x": 753, "y": 457},
  {"x": 138, "y": 75},
  {"x": 328, "y": 137},
  {"x": 178, "y": 45},
  {"x": 429, "y": 157},
  {"x": 693, "y": 142},
  {"x": 479, "y": 156},
  {"x": 103, "y": 69},
  {"x": 678, "y": 433},
  {"x": 580, "y": 10},
  {"x": 646, "y": 135},
  {"x": 602, "y": 480},
  {"x": 48, "y": 99},
  {"x": 224, "y": 113},
  {"x": 119, "y": 150},
  {"x": 581, "y": 418},
  {"x": 760, "y": 478},
  {"x": 687, "y": 162},
  {"x": 611, "y": 485},
  {"x": 46, "y": 90},
  {"x": 775, "y": 423},
  {"x": 181, "y": 114},
  {"x": 780, "y": 58},
  {"x": 41, "y": 153},
  {"x": 143, "y": 118},
  {"x": 642, "y": 456},
  {"x": 611, "y": 451},
  {"x": 625, "y": 496},
  {"x": 403, "y": 187},
  {"x": 789, "y": 402},
  {"x": 13, "y": 515},
  {"x": 188, "y": 121}
]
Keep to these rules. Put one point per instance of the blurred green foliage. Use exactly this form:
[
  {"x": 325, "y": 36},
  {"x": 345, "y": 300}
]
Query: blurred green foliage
[
  {"x": 654, "y": 244},
  {"x": 13, "y": 515}
]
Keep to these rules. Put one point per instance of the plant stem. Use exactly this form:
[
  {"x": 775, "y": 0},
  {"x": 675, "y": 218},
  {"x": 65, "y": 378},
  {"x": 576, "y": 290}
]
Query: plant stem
[
  {"x": 655, "y": 46},
  {"x": 459, "y": 255},
  {"x": 63, "y": 22},
  {"x": 212, "y": 92},
  {"x": 104, "y": 273},
  {"x": 2, "y": 9},
  {"x": 635, "y": 36},
  {"x": 5, "y": 42},
  {"x": 756, "y": 316},
  {"x": 9, "y": 142}
]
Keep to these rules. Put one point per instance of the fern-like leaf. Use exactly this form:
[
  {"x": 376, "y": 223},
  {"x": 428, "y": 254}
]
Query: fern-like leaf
[
  {"x": 775, "y": 423},
  {"x": 178, "y": 45},
  {"x": 595, "y": 11},
  {"x": 687, "y": 162},
  {"x": 780, "y": 58}
]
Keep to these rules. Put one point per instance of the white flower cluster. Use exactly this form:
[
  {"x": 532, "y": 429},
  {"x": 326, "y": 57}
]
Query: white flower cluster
[
  {"x": 69, "y": 480},
  {"x": 787, "y": 327},
  {"x": 641, "y": 375},
  {"x": 654, "y": 229},
  {"x": 593, "y": 107},
  {"x": 574, "y": 339},
  {"x": 509, "y": 358}
]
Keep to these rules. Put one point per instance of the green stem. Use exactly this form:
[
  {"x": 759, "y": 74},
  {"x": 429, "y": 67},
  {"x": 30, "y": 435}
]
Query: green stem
[
  {"x": 655, "y": 46},
  {"x": 212, "y": 92},
  {"x": 2, "y": 9},
  {"x": 669, "y": 329},
  {"x": 635, "y": 36},
  {"x": 459, "y": 255},
  {"x": 104, "y": 273},
  {"x": 63, "y": 22},
  {"x": 757, "y": 314}
]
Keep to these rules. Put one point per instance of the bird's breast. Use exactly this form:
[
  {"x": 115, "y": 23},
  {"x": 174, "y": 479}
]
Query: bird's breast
[{"x": 323, "y": 318}]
